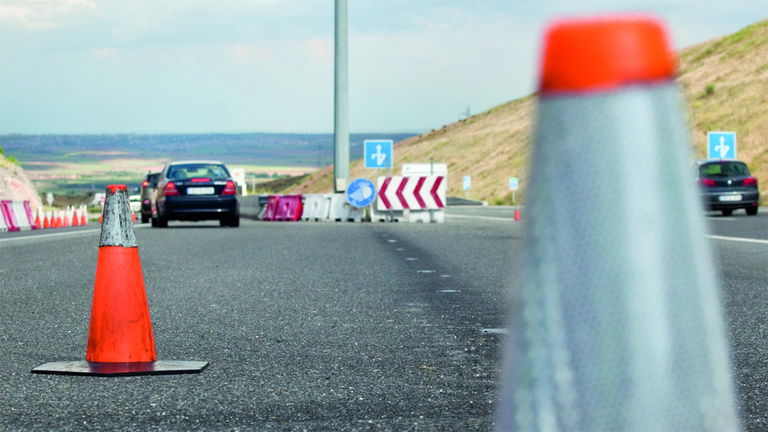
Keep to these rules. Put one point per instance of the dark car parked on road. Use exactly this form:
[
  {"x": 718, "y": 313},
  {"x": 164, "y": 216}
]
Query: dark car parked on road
[
  {"x": 147, "y": 194},
  {"x": 727, "y": 185},
  {"x": 194, "y": 191}
]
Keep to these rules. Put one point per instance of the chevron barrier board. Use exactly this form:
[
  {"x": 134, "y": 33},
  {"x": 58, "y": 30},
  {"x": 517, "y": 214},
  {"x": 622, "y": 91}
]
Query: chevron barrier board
[{"x": 411, "y": 193}]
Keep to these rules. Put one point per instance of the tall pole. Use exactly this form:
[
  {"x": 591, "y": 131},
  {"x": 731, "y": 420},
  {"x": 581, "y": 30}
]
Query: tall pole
[{"x": 341, "y": 102}]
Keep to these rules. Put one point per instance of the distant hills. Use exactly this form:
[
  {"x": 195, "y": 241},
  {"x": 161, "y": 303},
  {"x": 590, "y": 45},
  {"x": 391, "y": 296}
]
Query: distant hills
[
  {"x": 264, "y": 149},
  {"x": 725, "y": 83}
]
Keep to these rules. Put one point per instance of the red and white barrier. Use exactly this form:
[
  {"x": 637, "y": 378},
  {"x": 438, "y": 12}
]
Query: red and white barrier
[
  {"x": 412, "y": 198},
  {"x": 17, "y": 215}
]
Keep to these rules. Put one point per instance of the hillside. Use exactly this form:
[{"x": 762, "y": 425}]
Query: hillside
[
  {"x": 14, "y": 184},
  {"x": 726, "y": 87}
]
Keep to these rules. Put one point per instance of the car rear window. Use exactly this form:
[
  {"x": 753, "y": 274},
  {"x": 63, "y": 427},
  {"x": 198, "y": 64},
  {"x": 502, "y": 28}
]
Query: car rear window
[
  {"x": 723, "y": 169},
  {"x": 211, "y": 171}
]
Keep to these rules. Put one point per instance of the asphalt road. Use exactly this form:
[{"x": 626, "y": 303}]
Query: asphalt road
[{"x": 310, "y": 326}]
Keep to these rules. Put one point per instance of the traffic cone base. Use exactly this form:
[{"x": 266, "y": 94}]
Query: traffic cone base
[
  {"x": 83, "y": 367},
  {"x": 120, "y": 339}
]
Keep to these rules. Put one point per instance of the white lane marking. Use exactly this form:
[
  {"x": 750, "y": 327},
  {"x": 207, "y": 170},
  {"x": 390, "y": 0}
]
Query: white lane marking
[
  {"x": 62, "y": 234},
  {"x": 492, "y": 218},
  {"x": 739, "y": 239},
  {"x": 448, "y": 291}
]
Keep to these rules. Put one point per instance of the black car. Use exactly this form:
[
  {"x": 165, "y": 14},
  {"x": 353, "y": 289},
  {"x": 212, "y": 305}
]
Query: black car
[
  {"x": 147, "y": 194},
  {"x": 727, "y": 185},
  {"x": 194, "y": 191}
]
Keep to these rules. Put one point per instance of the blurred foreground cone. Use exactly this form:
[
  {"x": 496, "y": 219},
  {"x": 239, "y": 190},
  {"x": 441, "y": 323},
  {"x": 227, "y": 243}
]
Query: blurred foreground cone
[
  {"x": 517, "y": 214},
  {"x": 618, "y": 324},
  {"x": 120, "y": 339}
]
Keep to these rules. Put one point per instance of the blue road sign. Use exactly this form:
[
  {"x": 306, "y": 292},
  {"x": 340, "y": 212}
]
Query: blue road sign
[
  {"x": 467, "y": 183},
  {"x": 721, "y": 145},
  {"x": 378, "y": 153},
  {"x": 514, "y": 183},
  {"x": 361, "y": 193}
]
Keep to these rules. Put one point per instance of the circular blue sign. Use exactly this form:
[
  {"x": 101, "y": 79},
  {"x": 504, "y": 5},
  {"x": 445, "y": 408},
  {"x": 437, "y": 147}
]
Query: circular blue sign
[{"x": 361, "y": 193}]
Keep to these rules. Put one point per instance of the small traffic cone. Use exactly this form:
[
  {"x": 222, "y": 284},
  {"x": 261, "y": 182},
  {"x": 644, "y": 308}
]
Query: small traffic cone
[
  {"x": 120, "y": 338},
  {"x": 83, "y": 217},
  {"x": 65, "y": 218},
  {"x": 75, "y": 219},
  {"x": 58, "y": 219},
  {"x": 46, "y": 220},
  {"x": 617, "y": 323},
  {"x": 517, "y": 214},
  {"x": 133, "y": 216},
  {"x": 38, "y": 222}
]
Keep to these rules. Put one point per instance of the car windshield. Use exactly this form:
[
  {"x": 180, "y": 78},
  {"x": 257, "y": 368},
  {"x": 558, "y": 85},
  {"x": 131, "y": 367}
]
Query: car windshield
[
  {"x": 188, "y": 171},
  {"x": 723, "y": 169}
]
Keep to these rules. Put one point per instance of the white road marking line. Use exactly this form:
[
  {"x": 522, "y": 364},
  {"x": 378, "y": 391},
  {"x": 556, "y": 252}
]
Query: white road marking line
[
  {"x": 738, "y": 239},
  {"x": 61, "y": 234},
  {"x": 479, "y": 217}
]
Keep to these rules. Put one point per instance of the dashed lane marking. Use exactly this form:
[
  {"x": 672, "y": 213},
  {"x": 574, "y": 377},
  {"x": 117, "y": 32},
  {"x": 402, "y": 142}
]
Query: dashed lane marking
[{"x": 739, "y": 239}]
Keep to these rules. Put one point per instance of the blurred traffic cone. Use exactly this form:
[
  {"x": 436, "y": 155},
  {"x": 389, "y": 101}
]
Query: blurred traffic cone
[
  {"x": 83, "y": 217},
  {"x": 58, "y": 219},
  {"x": 133, "y": 217},
  {"x": 517, "y": 214},
  {"x": 38, "y": 222},
  {"x": 618, "y": 323},
  {"x": 120, "y": 339},
  {"x": 65, "y": 218},
  {"x": 101, "y": 218},
  {"x": 46, "y": 220},
  {"x": 75, "y": 219}
]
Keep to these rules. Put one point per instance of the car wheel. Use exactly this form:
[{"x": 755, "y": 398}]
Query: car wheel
[
  {"x": 751, "y": 210},
  {"x": 727, "y": 212}
]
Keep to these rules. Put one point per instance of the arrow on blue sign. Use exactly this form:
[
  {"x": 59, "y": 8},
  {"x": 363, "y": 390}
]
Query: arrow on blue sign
[
  {"x": 721, "y": 145},
  {"x": 378, "y": 153}
]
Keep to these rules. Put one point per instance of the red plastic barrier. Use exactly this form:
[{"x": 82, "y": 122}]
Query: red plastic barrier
[
  {"x": 33, "y": 223},
  {"x": 289, "y": 208},
  {"x": 269, "y": 212},
  {"x": 5, "y": 219},
  {"x": 9, "y": 215}
]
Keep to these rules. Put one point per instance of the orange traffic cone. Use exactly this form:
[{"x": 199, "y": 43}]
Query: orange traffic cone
[
  {"x": 75, "y": 219},
  {"x": 46, "y": 221},
  {"x": 83, "y": 218},
  {"x": 133, "y": 217},
  {"x": 617, "y": 322},
  {"x": 101, "y": 218},
  {"x": 517, "y": 214},
  {"x": 120, "y": 339},
  {"x": 65, "y": 218},
  {"x": 58, "y": 220},
  {"x": 38, "y": 222}
]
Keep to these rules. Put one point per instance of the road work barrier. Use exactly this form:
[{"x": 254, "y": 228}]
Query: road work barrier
[
  {"x": 316, "y": 207},
  {"x": 618, "y": 323},
  {"x": 270, "y": 209},
  {"x": 411, "y": 198},
  {"x": 120, "y": 338},
  {"x": 17, "y": 215},
  {"x": 289, "y": 208}
]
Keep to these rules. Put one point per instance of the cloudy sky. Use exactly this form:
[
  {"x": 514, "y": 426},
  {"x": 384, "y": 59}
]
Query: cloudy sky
[{"x": 168, "y": 66}]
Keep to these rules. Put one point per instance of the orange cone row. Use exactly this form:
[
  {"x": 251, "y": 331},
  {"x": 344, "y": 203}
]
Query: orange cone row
[{"x": 62, "y": 218}]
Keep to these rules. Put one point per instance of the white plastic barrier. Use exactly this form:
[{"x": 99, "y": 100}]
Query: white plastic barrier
[
  {"x": 19, "y": 216},
  {"x": 341, "y": 211},
  {"x": 316, "y": 207},
  {"x": 5, "y": 224}
]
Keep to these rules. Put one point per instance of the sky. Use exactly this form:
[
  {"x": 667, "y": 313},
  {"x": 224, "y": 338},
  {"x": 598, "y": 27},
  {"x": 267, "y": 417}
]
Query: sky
[{"x": 202, "y": 66}]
